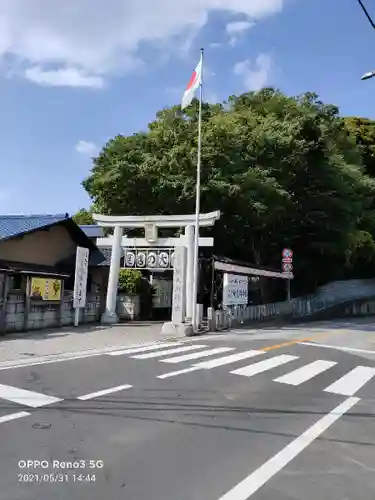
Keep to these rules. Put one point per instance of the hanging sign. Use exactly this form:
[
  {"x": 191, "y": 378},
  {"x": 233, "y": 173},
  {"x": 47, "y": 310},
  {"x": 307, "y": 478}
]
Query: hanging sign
[{"x": 149, "y": 258}]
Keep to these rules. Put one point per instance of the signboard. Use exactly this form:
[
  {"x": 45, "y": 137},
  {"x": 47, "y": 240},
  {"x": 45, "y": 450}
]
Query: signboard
[
  {"x": 46, "y": 289},
  {"x": 80, "y": 279},
  {"x": 287, "y": 268},
  {"x": 235, "y": 290},
  {"x": 162, "y": 297},
  {"x": 179, "y": 288},
  {"x": 287, "y": 253},
  {"x": 287, "y": 261},
  {"x": 155, "y": 259}
]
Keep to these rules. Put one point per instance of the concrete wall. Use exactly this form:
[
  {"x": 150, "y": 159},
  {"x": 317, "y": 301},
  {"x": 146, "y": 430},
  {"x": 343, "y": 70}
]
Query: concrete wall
[
  {"x": 343, "y": 290},
  {"x": 42, "y": 247},
  {"x": 48, "y": 315},
  {"x": 333, "y": 300}
]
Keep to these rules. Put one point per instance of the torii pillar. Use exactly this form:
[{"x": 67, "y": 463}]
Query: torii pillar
[{"x": 151, "y": 224}]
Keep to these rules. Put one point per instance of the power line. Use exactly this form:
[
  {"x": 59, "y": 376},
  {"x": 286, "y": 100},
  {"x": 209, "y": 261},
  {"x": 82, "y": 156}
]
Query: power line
[{"x": 366, "y": 13}]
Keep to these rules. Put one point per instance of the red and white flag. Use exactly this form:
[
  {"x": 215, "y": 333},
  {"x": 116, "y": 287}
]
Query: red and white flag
[{"x": 195, "y": 81}]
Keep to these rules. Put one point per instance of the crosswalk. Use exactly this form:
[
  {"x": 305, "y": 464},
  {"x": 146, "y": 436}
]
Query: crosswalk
[
  {"x": 348, "y": 385},
  {"x": 246, "y": 363}
]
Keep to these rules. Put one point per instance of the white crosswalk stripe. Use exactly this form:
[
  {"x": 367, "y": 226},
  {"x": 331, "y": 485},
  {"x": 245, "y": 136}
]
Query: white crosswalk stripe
[
  {"x": 197, "y": 355},
  {"x": 14, "y": 416},
  {"x": 168, "y": 352},
  {"x": 104, "y": 392},
  {"x": 135, "y": 350},
  {"x": 350, "y": 383},
  {"x": 26, "y": 398},
  {"x": 262, "y": 366},
  {"x": 227, "y": 360},
  {"x": 305, "y": 373}
]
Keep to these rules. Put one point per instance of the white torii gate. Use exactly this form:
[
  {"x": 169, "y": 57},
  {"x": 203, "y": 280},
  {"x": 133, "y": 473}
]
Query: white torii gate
[{"x": 183, "y": 269}]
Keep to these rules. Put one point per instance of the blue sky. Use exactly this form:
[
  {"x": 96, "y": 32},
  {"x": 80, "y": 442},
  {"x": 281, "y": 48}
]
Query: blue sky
[{"x": 72, "y": 77}]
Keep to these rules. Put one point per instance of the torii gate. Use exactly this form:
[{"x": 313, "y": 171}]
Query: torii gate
[{"x": 183, "y": 267}]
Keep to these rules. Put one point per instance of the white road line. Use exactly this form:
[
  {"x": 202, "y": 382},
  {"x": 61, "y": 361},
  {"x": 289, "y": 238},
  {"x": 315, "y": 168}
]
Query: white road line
[
  {"x": 297, "y": 377},
  {"x": 350, "y": 383},
  {"x": 169, "y": 351},
  {"x": 196, "y": 355},
  {"x": 226, "y": 360},
  {"x": 14, "y": 416},
  {"x": 178, "y": 372},
  {"x": 134, "y": 350},
  {"x": 338, "y": 348},
  {"x": 252, "y": 483},
  {"x": 111, "y": 390},
  {"x": 27, "y": 398},
  {"x": 262, "y": 366}
]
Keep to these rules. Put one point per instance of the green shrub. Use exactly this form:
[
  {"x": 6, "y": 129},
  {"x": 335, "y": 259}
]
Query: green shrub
[{"x": 130, "y": 281}]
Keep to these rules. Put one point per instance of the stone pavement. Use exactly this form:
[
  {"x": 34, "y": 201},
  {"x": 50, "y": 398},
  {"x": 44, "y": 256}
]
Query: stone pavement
[{"x": 70, "y": 340}]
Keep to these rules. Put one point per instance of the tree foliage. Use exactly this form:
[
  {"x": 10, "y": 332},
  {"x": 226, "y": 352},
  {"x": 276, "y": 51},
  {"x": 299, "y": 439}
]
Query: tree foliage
[
  {"x": 283, "y": 171},
  {"x": 83, "y": 217}
]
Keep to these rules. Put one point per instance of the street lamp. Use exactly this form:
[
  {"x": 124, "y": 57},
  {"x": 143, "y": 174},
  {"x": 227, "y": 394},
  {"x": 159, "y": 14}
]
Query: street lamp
[{"x": 368, "y": 75}]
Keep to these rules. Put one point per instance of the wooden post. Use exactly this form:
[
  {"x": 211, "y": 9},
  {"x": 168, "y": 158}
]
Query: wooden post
[
  {"x": 27, "y": 304},
  {"x": 62, "y": 302},
  {"x": 3, "y": 302}
]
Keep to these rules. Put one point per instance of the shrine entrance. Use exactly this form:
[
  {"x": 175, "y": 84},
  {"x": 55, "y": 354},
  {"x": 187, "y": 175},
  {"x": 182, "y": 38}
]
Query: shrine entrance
[{"x": 157, "y": 255}]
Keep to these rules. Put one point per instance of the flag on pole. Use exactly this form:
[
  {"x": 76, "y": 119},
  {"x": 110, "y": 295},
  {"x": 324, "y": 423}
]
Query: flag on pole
[{"x": 195, "y": 81}]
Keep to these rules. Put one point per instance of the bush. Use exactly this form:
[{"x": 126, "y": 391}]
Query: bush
[{"x": 130, "y": 281}]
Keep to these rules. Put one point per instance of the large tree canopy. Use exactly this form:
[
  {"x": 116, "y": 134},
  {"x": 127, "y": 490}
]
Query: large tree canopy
[{"x": 284, "y": 171}]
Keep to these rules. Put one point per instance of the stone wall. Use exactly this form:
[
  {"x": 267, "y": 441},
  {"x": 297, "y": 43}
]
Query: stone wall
[
  {"x": 128, "y": 307},
  {"x": 333, "y": 300},
  {"x": 48, "y": 315}
]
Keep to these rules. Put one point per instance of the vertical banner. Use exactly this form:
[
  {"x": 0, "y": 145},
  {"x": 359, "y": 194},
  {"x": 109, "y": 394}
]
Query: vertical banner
[
  {"x": 179, "y": 286},
  {"x": 80, "y": 279}
]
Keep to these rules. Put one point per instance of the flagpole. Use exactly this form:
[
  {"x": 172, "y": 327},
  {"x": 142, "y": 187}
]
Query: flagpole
[{"x": 197, "y": 206}]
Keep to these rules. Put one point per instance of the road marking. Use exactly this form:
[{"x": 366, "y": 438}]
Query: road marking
[
  {"x": 14, "y": 416},
  {"x": 254, "y": 481},
  {"x": 134, "y": 350},
  {"x": 226, "y": 360},
  {"x": 262, "y": 366},
  {"x": 27, "y": 363},
  {"x": 178, "y": 372},
  {"x": 27, "y": 398},
  {"x": 301, "y": 341},
  {"x": 339, "y": 348},
  {"x": 196, "y": 355},
  {"x": 350, "y": 383},
  {"x": 169, "y": 351},
  {"x": 297, "y": 377},
  {"x": 111, "y": 390}
]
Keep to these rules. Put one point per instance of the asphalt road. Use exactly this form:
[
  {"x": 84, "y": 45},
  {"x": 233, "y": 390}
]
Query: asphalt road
[{"x": 294, "y": 421}]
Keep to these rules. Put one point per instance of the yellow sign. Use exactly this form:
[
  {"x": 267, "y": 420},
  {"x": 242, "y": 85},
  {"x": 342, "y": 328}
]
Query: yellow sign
[{"x": 48, "y": 289}]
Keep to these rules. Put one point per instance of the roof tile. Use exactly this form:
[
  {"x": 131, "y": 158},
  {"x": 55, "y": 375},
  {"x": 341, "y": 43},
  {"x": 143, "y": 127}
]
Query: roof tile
[{"x": 16, "y": 225}]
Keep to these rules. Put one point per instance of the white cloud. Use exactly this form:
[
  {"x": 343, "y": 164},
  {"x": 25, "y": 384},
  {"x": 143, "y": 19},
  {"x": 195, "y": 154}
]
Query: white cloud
[
  {"x": 63, "y": 77},
  {"x": 81, "y": 42},
  {"x": 236, "y": 29},
  {"x": 87, "y": 148},
  {"x": 215, "y": 45},
  {"x": 255, "y": 77}
]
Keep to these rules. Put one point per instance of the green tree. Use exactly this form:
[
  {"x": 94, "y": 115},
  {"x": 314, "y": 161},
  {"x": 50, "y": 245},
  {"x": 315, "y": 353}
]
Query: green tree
[
  {"x": 83, "y": 217},
  {"x": 363, "y": 132},
  {"x": 283, "y": 171}
]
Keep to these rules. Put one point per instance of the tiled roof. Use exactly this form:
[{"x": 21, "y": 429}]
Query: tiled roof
[
  {"x": 16, "y": 225},
  {"x": 92, "y": 231},
  {"x": 107, "y": 252}
]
